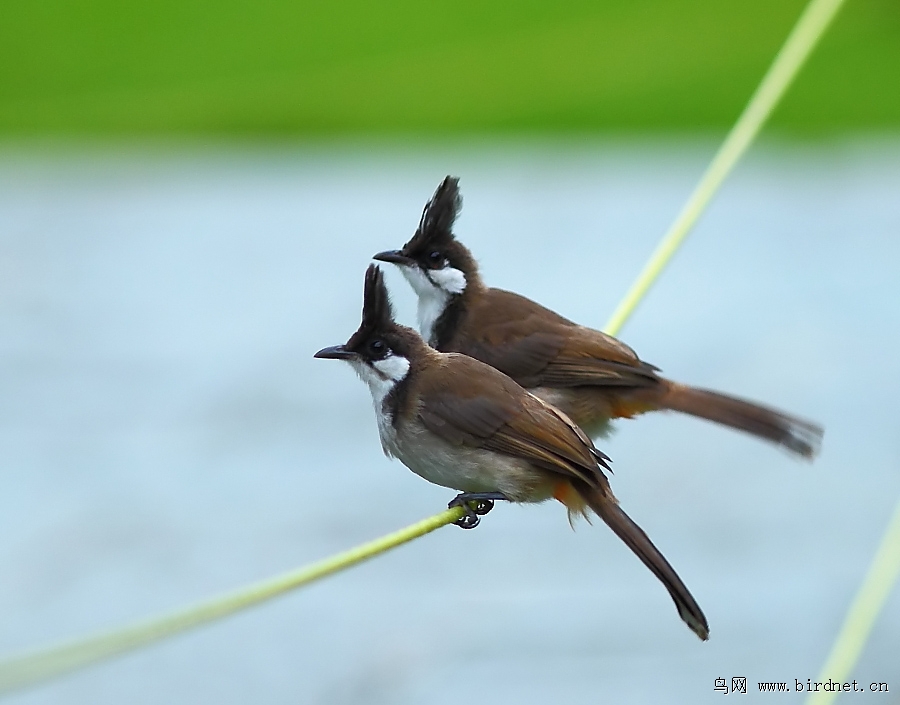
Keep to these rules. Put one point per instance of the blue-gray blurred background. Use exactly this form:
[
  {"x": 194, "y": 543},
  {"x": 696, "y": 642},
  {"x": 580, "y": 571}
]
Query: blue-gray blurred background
[
  {"x": 189, "y": 197},
  {"x": 167, "y": 434}
]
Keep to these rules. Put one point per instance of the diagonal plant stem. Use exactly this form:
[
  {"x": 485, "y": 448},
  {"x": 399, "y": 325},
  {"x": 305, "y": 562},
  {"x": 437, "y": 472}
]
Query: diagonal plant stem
[
  {"x": 27, "y": 669},
  {"x": 790, "y": 58},
  {"x": 870, "y": 598}
]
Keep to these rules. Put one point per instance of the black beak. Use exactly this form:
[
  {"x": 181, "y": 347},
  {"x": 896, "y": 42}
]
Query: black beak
[
  {"x": 394, "y": 257},
  {"x": 335, "y": 352}
]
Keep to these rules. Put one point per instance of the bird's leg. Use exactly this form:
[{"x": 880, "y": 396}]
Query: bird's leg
[{"x": 474, "y": 504}]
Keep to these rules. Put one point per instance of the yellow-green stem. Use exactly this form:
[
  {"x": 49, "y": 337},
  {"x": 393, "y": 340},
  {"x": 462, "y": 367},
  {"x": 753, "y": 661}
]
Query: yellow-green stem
[
  {"x": 870, "y": 598},
  {"x": 24, "y": 670},
  {"x": 800, "y": 43}
]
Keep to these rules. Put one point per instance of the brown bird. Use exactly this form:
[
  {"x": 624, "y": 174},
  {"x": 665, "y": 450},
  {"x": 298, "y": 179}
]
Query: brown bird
[
  {"x": 590, "y": 376},
  {"x": 462, "y": 424}
]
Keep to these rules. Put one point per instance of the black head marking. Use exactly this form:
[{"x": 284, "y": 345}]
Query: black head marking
[
  {"x": 369, "y": 340},
  {"x": 435, "y": 229},
  {"x": 377, "y": 310},
  {"x": 441, "y": 212},
  {"x": 434, "y": 246},
  {"x": 379, "y": 335}
]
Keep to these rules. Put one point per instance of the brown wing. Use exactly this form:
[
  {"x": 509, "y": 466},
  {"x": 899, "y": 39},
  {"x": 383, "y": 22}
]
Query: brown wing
[
  {"x": 484, "y": 408},
  {"x": 590, "y": 357},
  {"x": 541, "y": 348}
]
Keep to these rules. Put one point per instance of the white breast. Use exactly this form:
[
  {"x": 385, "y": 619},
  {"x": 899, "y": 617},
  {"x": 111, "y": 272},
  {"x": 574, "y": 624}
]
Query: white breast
[
  {"x": 381, "y": 377},
  {"x": 467, "y": 469},
  {"x": 434, "y": 290},
  {"x": 429, "y": 311}
]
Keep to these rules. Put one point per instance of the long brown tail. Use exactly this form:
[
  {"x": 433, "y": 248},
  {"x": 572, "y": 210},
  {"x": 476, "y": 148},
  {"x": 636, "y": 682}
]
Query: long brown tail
[
  {"x": 634, "y": 537},
  {"x": 798, "y": 436}
]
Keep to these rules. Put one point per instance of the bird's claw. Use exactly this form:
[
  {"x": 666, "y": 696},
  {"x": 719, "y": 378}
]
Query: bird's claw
[
  {"x": 469, "y": 520},
  {"x": 474, "y": 508}
]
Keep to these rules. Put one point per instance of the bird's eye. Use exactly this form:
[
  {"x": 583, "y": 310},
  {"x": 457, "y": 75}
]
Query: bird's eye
[
  {"x": 377, "y": 348},
  {"x": 435, "y": 257}
]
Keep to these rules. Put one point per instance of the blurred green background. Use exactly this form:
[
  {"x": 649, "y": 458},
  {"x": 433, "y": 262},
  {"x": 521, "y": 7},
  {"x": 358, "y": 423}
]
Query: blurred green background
[{"x": 302, "y": 69}]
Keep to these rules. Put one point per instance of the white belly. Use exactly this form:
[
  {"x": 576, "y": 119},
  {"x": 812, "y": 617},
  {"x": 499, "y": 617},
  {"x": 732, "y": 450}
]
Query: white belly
[{"x": 464, "y": 469}]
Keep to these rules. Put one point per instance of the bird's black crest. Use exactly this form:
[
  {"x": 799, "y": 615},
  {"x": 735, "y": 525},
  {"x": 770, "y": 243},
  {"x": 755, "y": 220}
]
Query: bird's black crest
[
  {"x": 377, "y": 309},
  {"x": 436, "y": 224}
]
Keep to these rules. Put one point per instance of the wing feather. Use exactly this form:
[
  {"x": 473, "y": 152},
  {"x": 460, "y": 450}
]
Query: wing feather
[
  {"x": 508, "y": 420},
  {"x": 540, "y": 348}
]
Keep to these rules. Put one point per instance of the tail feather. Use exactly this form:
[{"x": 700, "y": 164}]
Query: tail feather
[
  {"x": 634, "y": 537},
  {"x": 801, "y": 437}
]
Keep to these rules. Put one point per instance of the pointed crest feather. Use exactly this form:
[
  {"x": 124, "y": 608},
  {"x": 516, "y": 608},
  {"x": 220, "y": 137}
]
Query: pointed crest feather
[
  {"x": 436, "y": 224},
  {"x": 377, "y": 309}
]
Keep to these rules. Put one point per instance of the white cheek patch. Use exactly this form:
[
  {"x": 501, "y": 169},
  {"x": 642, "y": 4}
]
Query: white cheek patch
[
  {"x": 425, "y": 283},
  {"x": 449, "y": 279},
  {"x": 393, "y": 367},
  {"x": 381, "y": 376}
]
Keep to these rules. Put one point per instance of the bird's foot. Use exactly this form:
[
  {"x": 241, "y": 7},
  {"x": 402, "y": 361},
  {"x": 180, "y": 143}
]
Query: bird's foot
[{"x": 475, "y": 505}]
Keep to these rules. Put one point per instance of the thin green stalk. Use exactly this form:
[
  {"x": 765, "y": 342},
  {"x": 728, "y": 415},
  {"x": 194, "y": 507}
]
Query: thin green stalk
[
  {"x": 872, "y": 594},
  {"x": 800, "y": 43},
  {"x": 27, "y": 669}
]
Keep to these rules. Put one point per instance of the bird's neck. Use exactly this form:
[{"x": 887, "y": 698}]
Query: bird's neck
[{"x": 440, "y": 313}]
